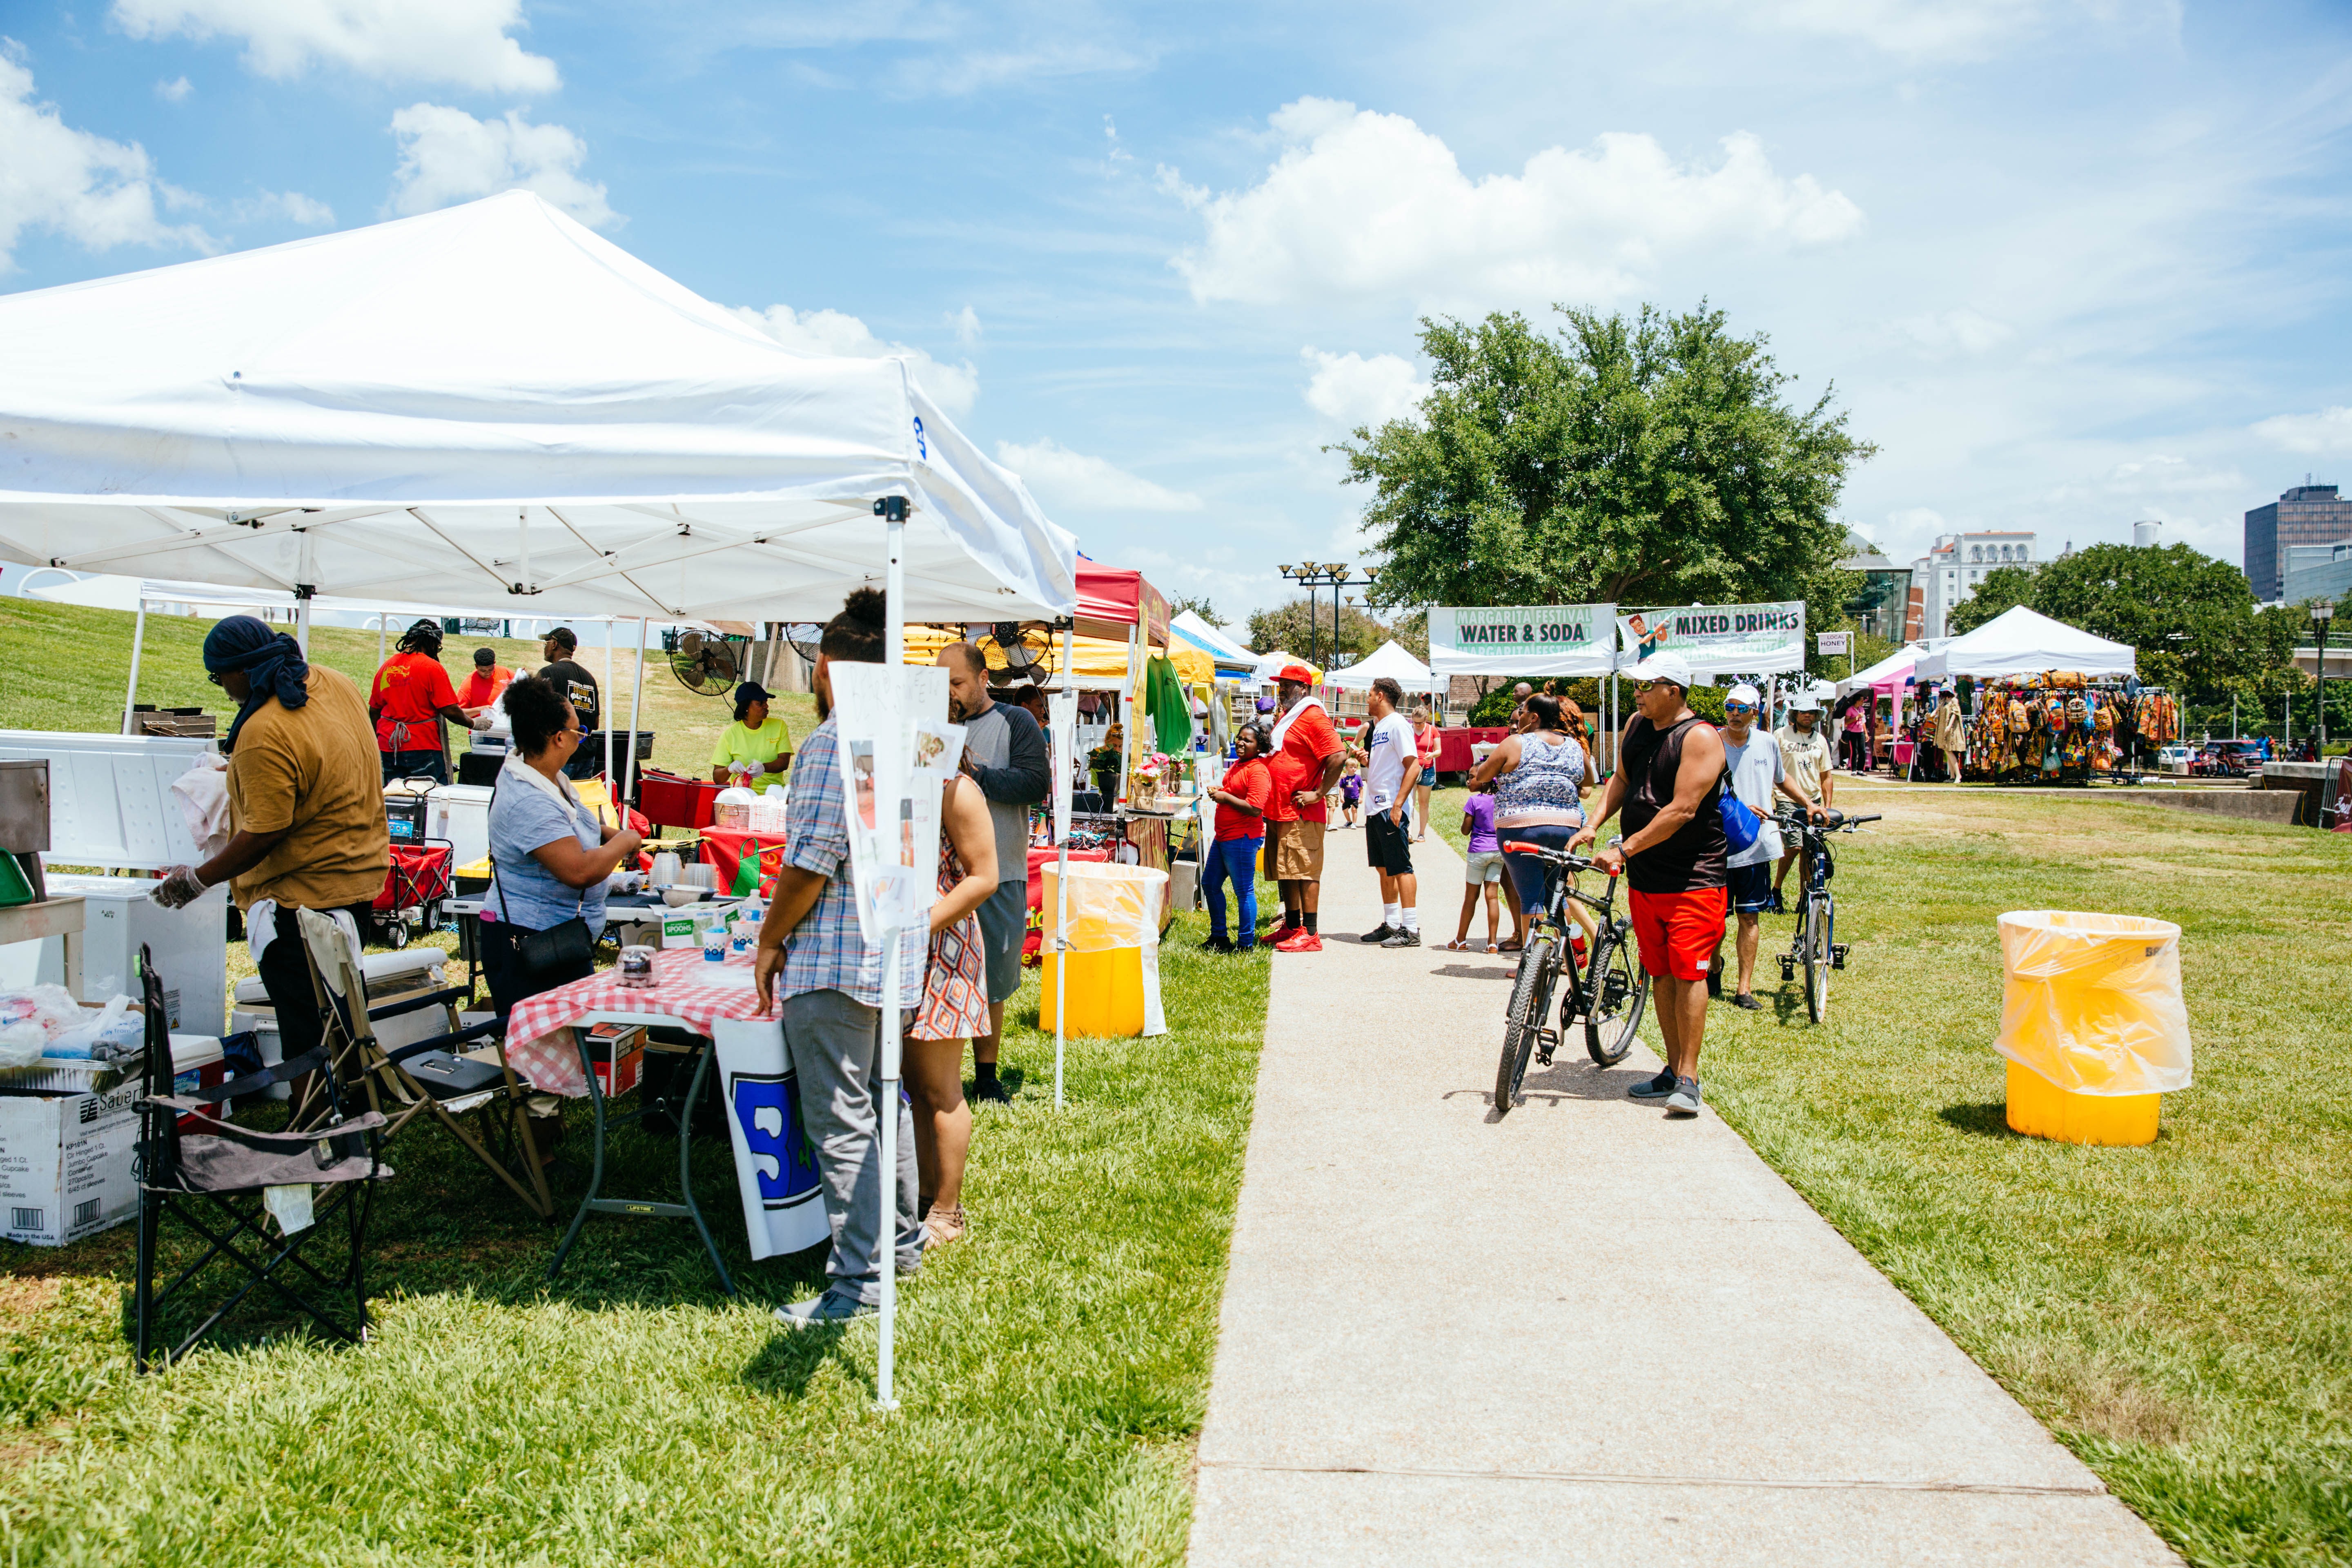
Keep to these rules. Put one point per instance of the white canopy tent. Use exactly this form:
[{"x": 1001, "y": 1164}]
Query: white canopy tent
[
  {"x": 2019, "y": 641},
  {"x": 491, "y": 403},
  {"x": 1269, "y": 665},
  {"x": 1893, "y": 667},
  {"x": 1390, "y": 659},
  {"x": 1223, "y": 649}
]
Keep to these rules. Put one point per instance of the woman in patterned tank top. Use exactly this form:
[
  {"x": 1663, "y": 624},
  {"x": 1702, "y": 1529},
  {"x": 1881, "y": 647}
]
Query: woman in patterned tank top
[
  {"x": 954, "y": 1007},
  {"x": 1541, "y": 775}
]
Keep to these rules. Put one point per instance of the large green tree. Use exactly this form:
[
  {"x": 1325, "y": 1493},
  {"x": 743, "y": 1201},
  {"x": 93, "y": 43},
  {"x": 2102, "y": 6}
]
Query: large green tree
[
  {"x": 1289, "y": 627},
  {"x": 1644, "y": 461}
]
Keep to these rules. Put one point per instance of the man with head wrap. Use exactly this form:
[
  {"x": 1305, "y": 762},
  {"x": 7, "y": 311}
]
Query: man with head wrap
[
  {"x": 306, "y": 810},
  {"x": 411, "y": 696}
]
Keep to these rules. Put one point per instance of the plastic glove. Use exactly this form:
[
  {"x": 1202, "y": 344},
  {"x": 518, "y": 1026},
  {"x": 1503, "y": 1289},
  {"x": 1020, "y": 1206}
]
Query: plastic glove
[
  {"x": 482, "y": 720},
  {"x": 180, "y": 886}
]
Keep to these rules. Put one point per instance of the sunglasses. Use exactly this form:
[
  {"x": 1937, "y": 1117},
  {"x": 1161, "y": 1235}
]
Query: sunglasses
[{"x": 1737, "y": 708}]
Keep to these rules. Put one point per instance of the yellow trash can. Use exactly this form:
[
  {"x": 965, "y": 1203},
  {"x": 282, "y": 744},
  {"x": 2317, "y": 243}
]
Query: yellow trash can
[
  {"x": 1111, "y": 986},
  {"x": 2092, "y": 1023}
]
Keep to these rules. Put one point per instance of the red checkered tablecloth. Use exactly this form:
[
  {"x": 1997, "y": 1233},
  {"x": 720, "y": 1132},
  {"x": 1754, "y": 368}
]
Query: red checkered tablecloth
[{"x": 686, "y": 986}]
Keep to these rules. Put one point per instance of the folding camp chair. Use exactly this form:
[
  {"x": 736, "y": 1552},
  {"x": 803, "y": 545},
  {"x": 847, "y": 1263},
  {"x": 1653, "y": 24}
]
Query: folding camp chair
[
  {"x": 213, "y": 1177},
  {"x": 427, "y": 1077}
]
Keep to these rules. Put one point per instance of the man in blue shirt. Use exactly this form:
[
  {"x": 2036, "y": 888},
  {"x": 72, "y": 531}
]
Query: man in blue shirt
[{"x": 816, "y": 968}]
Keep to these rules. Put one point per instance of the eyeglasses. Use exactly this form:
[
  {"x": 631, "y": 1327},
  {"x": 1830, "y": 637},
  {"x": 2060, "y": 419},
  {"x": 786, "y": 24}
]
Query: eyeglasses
[
  {"x": 1739, "y": 708},
  {"x": 213, "y": 676}
]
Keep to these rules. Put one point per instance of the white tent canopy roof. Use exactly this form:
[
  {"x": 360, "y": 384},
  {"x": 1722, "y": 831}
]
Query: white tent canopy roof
[
  {"x": 1390, "y": 659},
  {"x": 489, "y": 403},
  {"x": 2019, "y": 641},
  {"x": 1219, "y": 648},
  {"x": 1893, "y": 667}
]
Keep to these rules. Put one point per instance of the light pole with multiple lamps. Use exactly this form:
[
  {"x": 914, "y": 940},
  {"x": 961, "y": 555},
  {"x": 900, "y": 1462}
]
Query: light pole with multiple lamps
[
  {"x": 1313, "y": 575},
  {"x": 2322, "y": 612}
]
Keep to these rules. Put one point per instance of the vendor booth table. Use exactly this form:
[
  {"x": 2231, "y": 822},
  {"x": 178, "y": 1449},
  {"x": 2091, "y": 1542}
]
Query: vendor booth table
[{"x": 692, "y": 994}]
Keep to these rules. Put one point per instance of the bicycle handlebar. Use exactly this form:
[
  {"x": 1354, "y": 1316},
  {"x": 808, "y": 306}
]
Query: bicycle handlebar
[{"x": 1556, "y": 856}]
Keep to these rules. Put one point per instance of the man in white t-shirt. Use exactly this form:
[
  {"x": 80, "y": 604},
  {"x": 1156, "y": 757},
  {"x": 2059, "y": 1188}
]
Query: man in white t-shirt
[
  {"x": 1753, "y": 759},
  {"x": 1393, "y": 763}
]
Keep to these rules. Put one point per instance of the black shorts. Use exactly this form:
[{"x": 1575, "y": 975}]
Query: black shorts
[{"x": 1388, "y": 845}]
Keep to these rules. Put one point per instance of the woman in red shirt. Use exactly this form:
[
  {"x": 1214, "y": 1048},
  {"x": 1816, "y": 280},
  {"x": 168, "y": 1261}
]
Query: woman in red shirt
[{"x": 1242, "y": 797}]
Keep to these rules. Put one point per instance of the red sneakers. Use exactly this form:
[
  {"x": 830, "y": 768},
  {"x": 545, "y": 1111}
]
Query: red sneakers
[{"x": 1300, "y": 941}]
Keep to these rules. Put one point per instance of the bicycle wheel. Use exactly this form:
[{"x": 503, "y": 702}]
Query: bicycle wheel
[
  {"x": 1530, "y": 1002},
  {"x": 1616, "y": 994},
  {"x": 1817, "y": 958}
]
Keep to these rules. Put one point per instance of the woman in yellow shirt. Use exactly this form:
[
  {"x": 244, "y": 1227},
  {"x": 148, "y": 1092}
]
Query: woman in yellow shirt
[{"x": 754, "y": 745}]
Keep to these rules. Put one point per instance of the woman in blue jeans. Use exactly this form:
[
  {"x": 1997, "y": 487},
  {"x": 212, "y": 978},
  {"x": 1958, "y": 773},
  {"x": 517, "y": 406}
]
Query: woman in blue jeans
[
  {"x": 1539, "y": 776},
  {"x": 1240, "y": 796}
]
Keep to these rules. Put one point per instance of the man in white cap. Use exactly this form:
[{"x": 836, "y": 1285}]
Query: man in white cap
[
  {"x": 1806, "y": 757},
  {"x": 1752, "y": 759},
  {"x": 1673, "y": 854}
]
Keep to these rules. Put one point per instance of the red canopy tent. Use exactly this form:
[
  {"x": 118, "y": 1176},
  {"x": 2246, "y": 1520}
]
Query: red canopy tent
[{"x": 1111, "y": 601}]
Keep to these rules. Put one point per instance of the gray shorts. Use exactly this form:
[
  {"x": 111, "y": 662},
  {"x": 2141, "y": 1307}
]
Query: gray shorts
[{"x": 1003, "y": 926}]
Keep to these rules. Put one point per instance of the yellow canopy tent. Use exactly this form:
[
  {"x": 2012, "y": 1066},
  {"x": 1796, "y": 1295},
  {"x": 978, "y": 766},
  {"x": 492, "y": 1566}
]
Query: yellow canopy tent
[{"x": 1097, "y": 661}]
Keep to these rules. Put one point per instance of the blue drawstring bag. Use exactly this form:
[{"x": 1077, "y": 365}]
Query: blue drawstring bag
[{"x": 1742, "y": 823}]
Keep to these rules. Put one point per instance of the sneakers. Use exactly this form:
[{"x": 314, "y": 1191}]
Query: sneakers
[
  {"x": 1280, "y": 934},
  {"x": 1378, "y": 934},
  {"x": 1715, "y": 985},
  {"x": 1657, "y": 1088},
  {"x": 991, "y": 1091},
  {"x": 819, "y": 1310},
  {"x": 1300, "y": 941},
  {"x": 1402, "y": 938},
  {"x": 1748, "y": 999},
  {"x": 1218, "y": 944},
  {"x": 1778, "y": 907},
  {"x": 1684, "y": 1100}
]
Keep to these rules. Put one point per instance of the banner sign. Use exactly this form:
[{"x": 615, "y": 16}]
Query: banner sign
[
  {"x": 896, "y": 751},
  {"x": 1744, "y": 639},
  {"x": 1833, "y": 642},
  {"x": 1521, "y": 639}
]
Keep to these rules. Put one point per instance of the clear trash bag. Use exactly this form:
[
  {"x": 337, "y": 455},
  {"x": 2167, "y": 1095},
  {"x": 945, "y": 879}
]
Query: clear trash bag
[{"x": 2091, "y": 1002}]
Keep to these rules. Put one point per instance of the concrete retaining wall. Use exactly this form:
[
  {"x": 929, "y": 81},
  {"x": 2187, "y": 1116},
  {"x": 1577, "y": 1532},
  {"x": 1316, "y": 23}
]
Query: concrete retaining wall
[{"x": 2277, "y": 805}]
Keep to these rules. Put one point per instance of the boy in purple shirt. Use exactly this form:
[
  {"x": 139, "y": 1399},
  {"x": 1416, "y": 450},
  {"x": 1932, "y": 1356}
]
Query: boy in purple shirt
[{"x": 1484, "y": 871}]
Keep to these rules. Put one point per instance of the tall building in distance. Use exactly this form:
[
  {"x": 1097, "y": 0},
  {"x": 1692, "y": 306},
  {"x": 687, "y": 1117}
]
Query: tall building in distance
[
  {"x": 2307, "y": 514},
  {"x": 1878, "y": 608},
  {"x": 1952, "y": 569}
]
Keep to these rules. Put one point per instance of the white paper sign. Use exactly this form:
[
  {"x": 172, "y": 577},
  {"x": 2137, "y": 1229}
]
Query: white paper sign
[
  {"x": 1832, "y": 642},
  {"x": 896, "y": 752}
]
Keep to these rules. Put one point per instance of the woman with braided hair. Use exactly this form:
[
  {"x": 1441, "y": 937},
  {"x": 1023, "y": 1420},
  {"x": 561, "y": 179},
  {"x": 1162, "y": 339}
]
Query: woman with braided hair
[{"x": 410, "y": 697}]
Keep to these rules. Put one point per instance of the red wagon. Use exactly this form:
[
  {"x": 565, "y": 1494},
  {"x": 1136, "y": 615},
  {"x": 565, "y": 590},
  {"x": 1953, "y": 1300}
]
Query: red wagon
[{"x": 420, "y": 879}]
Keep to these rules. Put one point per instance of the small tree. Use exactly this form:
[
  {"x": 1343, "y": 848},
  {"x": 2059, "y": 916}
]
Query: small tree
[
  {"x": 1199, "y": 605},
  {"x": 1291, "y": 627}
]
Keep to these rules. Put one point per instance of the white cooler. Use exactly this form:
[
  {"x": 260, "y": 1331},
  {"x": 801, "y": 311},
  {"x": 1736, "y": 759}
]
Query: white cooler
[{"x": 390, "y": 976}]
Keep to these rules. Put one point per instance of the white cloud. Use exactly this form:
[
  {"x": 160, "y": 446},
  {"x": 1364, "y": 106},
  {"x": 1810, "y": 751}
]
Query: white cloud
[
  {"x": 1074, "y": 483},
  {"x": 1939, "y": 333},
  {"x": 176, "y": 90},
  {"x": 1950, "y": 29},
  {"x": 97, "y": 192},
  {"x": 446, "y": 156},
  {"x": 2329, "y": 431},
  {"x": 974, "y": 70},
  {"x": 1370, "y": 204},
  {"x": 1353, "y": 390},
  {"x": 462, "y": 42},
  {"x": 953, "y": 386},
  {"x": 288, "y": 207},
  {"x": 966, "y": 323}
]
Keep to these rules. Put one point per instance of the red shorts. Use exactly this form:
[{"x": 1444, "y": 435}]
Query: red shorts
[{"x": 1678, "y": 933}]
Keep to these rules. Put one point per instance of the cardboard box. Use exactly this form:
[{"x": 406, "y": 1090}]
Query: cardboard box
[
  {"x": 65, "y": 1163},
  {"x": 617, "y": 1052}
]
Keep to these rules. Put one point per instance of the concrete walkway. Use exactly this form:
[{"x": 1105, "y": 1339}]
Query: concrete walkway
[{"x": 1582, "y": 1333}]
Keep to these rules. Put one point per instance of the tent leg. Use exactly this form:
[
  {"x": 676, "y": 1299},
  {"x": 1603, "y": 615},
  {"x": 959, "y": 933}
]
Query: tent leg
[
  {"x": 302, "y": 624},
  {"x": 1061, "y": 900},
  {"x": 610, "y": 627},
  {"x": 885, "y": 1098},
  {"x": 138, "y": 646},
  {"x": 379, "y": 621},
  {"x": 629, "y": 752}
]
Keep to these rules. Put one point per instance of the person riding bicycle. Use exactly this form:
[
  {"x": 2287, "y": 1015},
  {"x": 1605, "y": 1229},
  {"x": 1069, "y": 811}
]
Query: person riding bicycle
[{"x": 1674, "y": 855}]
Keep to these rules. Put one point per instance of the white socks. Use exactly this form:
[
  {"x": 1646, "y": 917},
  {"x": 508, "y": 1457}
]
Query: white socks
[
  {"x": 1388, "y": 916},
  {"x": 1411, "y": 919}
]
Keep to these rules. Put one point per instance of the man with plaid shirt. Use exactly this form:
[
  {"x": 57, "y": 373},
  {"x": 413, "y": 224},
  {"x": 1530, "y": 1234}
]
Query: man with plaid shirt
[{"x": 832, "y": 1001}]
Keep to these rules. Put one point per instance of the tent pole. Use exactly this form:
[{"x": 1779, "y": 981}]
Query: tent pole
[
  {"x": 302, "y": 624},
  {"x": 611, "y": 628},
  {"x": 379, "y": 621},
  {"x": 885, "y": 1098},
  {"x": 1062, "y": 884},
  {"x": 138, "y": 644},
  {"x": 629, "y": 752}
]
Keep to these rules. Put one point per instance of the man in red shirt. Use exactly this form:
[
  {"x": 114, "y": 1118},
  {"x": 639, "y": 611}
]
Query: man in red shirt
[
  {"x": 410, "y": 697},
  {"x": 482, "y": 688},
  {"x": 1308, "y": 757}
]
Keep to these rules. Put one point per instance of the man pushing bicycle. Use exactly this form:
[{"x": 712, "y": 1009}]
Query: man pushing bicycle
[{"x": 1674, "y": 853}]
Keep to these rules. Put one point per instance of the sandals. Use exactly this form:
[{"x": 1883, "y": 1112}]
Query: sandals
[
  {"x": 945, "y": 1225},
  {"x": 1491, "y": 948},
  {"x": 1457, "y": 945}
]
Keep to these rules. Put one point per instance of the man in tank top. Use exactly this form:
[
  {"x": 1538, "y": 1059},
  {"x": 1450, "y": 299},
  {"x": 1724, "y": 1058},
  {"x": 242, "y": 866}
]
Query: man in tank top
[{"x": 1674, "y": 855}]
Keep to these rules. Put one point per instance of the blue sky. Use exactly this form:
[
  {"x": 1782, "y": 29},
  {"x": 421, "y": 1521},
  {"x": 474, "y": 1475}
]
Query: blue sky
[{"x": 2071, "y": 263}]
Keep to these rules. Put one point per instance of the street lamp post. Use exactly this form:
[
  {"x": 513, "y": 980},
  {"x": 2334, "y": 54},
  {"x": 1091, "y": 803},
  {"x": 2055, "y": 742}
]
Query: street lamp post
[
  {"x": 1335, "y": 575},
  {"x": 2321, "y": 614}
]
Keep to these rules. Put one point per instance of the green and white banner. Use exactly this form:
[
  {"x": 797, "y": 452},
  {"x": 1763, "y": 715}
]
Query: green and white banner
[
  {"x": 1521, "y": 639},
  {"x": 1738, "y": 639}
]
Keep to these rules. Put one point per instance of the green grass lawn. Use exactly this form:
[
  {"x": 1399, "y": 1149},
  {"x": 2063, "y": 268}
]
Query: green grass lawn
[
  {"x": 2180, "y": 1316},
  {"x": 1054, "y": 1368}
]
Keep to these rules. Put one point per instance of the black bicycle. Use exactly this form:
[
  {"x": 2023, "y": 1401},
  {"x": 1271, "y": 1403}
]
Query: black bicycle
[
  {"x": 1815, "y": 947},
  {"x": 1609, "y": 990}
]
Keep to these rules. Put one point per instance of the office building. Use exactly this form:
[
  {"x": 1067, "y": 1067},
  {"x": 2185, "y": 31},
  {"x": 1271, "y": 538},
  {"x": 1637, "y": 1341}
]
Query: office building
[
  {"x": 2307, "y": 514},
  {"x": 1878, "y": 608},
  {"x": 1952, "y": 569},
  {"x": 2318, "y": 572}
]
